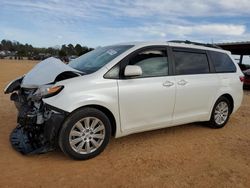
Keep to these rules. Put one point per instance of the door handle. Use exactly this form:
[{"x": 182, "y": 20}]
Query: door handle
[
  {"x": 168, "y": 84},
  {"x": 182, "y": 82}
]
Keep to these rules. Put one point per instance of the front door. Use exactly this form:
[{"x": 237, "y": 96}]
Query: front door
[{"x": 147, "y": 102}]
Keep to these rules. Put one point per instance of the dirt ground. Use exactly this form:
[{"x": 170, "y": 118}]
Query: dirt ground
[{"x": 186, "y": 156}]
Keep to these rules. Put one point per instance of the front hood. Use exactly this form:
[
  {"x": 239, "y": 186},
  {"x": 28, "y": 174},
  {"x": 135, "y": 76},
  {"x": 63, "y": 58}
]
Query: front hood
[{"x": 46, "y": 72}]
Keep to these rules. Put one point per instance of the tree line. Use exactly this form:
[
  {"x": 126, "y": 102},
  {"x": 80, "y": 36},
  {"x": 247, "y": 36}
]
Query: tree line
[{"x": 27, "y": 50}]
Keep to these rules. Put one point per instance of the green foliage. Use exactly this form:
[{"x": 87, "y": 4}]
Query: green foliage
[
  {"x": 31, "y": 52},
  {"x": 62, "y": 53}
]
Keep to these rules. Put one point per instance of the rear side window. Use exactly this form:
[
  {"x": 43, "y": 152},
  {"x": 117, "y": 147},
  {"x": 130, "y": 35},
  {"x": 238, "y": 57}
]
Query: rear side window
[
  {"x": 222, "y": 62},
  {"x": 190, "y": 63}
]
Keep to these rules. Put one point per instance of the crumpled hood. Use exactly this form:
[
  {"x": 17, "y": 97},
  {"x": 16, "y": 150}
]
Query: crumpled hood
[{"x": 45, "y": 72}]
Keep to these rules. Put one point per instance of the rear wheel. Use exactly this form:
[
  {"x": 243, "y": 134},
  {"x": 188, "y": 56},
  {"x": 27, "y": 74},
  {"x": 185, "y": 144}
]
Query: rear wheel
[
  {"x": 221, "y": 113},
  {"x": 85, "y": 134}
]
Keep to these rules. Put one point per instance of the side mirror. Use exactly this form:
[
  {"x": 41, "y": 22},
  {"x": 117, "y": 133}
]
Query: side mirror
[{"x": 132, "y": 70}]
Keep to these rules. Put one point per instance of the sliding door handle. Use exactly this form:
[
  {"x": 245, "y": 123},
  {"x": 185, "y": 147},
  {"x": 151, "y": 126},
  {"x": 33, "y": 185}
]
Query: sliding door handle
[{"x": 182, "y": 82}]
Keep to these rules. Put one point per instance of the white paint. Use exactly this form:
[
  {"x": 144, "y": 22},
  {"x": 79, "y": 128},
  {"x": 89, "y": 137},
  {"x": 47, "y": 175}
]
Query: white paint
[
  {"x": 45, "y": 72},
  {"x": 150, "y": 103}
]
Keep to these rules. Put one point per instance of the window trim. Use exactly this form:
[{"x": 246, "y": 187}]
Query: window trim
[
  {"x": 190, "y": 50},
  {"x": 171, "y": 61}
]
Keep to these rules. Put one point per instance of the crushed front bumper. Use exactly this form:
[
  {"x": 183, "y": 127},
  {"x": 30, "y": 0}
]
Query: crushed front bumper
[
  {"x": 38, "y": 124},
  {"x": 29, "y": 137}
]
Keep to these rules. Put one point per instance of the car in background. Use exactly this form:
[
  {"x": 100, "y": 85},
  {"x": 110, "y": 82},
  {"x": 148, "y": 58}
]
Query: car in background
[
  {"x": 72, "y": 57},
  {"x": 246, "y": 83},
  {"x": 245, "y": 68}
]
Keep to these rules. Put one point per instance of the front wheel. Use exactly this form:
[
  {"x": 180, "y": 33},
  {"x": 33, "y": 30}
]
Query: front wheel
[
  {"x": 85, "y": 134},
  {"x": 220, "y": 113}
]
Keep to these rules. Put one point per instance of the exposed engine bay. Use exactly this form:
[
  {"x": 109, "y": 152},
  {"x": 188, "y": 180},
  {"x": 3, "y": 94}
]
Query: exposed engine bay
[{"x": 37, "y": 123}]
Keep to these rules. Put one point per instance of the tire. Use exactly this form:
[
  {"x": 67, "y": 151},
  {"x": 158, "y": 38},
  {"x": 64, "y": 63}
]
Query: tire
[
  {"x": 85, "y": 134},
  {"x": 216, "y": 116}
]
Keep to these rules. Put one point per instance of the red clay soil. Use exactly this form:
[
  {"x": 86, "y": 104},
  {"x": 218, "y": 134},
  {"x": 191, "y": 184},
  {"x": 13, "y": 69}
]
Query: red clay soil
[{"x": 186, "y": 156}]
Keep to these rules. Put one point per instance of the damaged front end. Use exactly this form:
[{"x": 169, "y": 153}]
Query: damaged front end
[{"x": 37, "y": 123}]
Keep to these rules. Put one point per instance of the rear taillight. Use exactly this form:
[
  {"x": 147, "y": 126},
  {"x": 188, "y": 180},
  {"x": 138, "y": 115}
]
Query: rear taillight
[{"x": 242, "y": 78}]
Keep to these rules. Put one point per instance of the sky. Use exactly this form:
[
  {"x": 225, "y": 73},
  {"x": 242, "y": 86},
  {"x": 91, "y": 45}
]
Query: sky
[{"x": 45, "y": 23}]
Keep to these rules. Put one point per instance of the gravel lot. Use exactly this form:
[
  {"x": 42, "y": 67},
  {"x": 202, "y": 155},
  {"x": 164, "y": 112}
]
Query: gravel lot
[{"x": 186, "y": 156}]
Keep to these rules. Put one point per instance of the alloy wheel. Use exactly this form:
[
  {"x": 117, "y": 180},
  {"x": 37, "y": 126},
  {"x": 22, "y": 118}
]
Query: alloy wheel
[
  {"x": 221, "y": 113},
  {"x": 87, "y": 135}
]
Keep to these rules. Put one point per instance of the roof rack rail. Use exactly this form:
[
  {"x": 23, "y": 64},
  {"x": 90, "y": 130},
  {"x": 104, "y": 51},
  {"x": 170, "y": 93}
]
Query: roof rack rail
[{"x": 195, "y": 43}]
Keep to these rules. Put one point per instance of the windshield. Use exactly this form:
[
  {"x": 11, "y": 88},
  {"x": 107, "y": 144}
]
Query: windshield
[{"x": 96, "y": 59}]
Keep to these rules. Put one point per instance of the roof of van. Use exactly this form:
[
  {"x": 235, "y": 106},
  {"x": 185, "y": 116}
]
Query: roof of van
[{"x": 174, "y": 44}]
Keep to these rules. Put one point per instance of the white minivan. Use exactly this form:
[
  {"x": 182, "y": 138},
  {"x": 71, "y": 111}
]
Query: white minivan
[{"x": 122, "y": 89}]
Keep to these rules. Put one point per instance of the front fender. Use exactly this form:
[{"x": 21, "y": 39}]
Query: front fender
[{"x": 106, "y": 97}]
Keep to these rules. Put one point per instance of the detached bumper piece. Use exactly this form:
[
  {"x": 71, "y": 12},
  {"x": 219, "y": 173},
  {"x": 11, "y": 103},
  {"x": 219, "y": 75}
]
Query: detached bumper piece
[{"x": 20, "y": 141}]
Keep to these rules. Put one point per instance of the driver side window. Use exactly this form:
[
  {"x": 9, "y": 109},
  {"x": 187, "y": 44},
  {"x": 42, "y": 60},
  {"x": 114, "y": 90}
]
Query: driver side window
[{"x": 153, "y": 62}]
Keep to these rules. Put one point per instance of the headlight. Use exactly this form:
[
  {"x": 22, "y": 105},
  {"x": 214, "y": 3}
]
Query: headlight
[{"x": 47, "y": 91}]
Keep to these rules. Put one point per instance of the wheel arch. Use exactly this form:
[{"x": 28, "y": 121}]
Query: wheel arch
[
  {"x": 106, "y": 111},
  {"x": 230, "y": 98}
]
